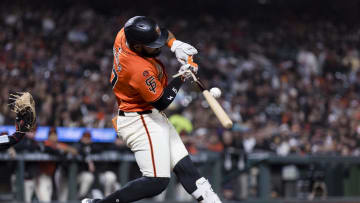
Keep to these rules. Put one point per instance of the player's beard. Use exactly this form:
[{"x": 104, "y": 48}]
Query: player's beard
[{"x": 156, "y": 53}]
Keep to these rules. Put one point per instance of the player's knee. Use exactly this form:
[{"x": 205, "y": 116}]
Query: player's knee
[
  {"x": 163, "y": 183},
  {"x": 160, "y": 184},
  {"x": 185, "y": 167},
  {"x": 88, "y": 177},
  {"x": 108, "y": 177}
]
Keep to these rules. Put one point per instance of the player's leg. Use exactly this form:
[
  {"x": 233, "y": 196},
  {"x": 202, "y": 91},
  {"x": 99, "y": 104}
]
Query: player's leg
[
  {"x": 149, "y": 140},
  {"x": 85, "y": 180},
  {"x": 29, "y": 189},
  {"x": 187, "y": 173},
  {"x": 193, "y": 183},
  {"x": 44, "y": 188},
  {"x": 137, "y": 189},
  {"x": 108, "y": 180},
  {"x": 61, "y": 184}
]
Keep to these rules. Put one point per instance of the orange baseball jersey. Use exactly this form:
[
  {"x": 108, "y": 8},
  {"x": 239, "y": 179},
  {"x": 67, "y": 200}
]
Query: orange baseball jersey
[{"x": 136, "y": 81}]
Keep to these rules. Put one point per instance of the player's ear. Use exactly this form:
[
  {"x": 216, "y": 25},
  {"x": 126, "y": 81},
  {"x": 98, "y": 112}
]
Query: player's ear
[{"x": 137, "y": 47}]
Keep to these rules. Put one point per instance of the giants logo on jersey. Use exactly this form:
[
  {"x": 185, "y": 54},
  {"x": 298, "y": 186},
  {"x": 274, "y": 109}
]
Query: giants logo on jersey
[{"x": 150, "y": 81}]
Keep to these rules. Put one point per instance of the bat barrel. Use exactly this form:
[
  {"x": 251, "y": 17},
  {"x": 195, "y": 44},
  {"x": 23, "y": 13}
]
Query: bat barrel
[{"x": 218, "y": 110}]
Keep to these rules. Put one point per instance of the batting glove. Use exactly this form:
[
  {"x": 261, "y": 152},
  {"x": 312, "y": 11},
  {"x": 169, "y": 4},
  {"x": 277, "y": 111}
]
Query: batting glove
[
  {"x": 182, "y": 51},
  {"x": 185, "y": 72}
]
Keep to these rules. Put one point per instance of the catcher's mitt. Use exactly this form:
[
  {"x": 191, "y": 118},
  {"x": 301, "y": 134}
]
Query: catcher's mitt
[{"x": 22, "y": 103}]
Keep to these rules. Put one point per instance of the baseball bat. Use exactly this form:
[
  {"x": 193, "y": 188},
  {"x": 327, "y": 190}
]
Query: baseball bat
[
  {"x": 215, "y": 106},
  {"x": 213, "y": 103}
]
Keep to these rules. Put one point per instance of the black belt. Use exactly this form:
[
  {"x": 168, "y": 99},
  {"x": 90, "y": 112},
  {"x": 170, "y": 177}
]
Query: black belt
[{"x": 122, "y": 113}]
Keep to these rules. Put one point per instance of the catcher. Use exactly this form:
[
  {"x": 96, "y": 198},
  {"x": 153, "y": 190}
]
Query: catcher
[{"x": 24, "y": 106}]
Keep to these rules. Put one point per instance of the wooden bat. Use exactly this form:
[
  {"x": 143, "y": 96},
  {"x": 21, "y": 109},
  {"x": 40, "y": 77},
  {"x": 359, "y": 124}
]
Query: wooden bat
[{"x": 213, "y": 103}]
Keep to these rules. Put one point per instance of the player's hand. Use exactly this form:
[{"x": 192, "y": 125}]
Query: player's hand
[
  {"x": 91, "y": 166},
  {"x": 12, "y": 152},
  {"x": 183, "y": 51},
  {"x": 185, "y": 71}
]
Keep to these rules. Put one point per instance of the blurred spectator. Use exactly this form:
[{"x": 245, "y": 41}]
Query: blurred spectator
[
  {"x": 214, "y": 143},
  {"x": 248, "y": 142},
  {"x": 6, "y": 169},
  {"x": 229, "y": 192},
  {"x": 234, "y": 160},
  {"x": 107, "y": 171},
  {"x": 52, "y": 169},
  {"x": 189, "y": 142},
  {"x": 318, "y": 186},
  {"x": 28, "y": 145},
  {"x": 104, "y": 170},
  {"x": 86, "y": 169}
]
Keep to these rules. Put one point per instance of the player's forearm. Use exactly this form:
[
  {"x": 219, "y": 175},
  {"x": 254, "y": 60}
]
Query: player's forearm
[
  {"x": 168, "y": 95},
  {"x": 7, "y": 141}
]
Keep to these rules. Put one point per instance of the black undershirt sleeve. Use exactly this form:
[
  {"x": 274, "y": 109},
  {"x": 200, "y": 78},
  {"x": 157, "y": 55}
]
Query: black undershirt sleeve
[
  {"x": 168, "y": 95},
  {"x": 8, "y": 141}
]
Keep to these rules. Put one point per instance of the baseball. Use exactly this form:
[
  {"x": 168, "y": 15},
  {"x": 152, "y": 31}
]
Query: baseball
[{"x": 215, "y": 92}]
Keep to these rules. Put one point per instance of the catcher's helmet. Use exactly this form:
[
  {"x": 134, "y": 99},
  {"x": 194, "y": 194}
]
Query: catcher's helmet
[{"x": 144, "y": 30}]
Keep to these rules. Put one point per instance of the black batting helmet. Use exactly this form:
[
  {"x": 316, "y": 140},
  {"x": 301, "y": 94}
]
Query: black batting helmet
[{"x": 144, "y": 30}]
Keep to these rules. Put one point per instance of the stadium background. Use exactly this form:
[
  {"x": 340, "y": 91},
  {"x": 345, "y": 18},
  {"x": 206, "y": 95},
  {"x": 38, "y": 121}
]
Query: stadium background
[{"x": 289, "y": 71}]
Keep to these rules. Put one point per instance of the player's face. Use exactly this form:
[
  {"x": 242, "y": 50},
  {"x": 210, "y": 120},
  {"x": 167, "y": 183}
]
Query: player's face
[
  {"x": 86, "y": 140},
  {"x": 52, "y": 137},
  {"x": 150, "y": 52}
]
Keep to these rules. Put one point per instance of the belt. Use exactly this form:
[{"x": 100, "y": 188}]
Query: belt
[{"x": 123, "y": 113}]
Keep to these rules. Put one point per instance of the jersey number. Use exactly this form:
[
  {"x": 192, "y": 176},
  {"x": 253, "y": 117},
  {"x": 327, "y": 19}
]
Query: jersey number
[{"x": 114, "y": 78}]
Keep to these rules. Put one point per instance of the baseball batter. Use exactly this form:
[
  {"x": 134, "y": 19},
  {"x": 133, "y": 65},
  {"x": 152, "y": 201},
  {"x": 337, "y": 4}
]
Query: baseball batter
[{"x": 142, "y": 90}]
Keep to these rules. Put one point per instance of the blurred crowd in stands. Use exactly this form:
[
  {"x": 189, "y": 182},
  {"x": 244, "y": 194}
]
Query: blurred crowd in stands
[{"x": 290, "y": 82}]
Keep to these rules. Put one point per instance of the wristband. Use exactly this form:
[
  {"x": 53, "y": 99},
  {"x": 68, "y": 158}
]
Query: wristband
[{"x": 170, "y": 42}]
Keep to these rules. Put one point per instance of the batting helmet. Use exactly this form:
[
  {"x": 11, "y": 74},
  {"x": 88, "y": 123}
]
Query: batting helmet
[{"x": 144, "y": 30}]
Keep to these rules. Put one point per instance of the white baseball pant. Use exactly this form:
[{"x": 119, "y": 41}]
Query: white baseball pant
[{"x": 153, "y": 139}]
